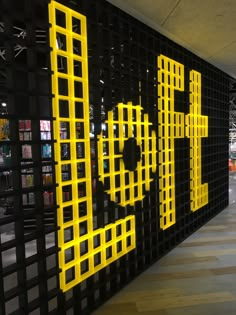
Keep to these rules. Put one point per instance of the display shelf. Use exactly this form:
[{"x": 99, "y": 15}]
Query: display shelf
[
  {"x": 45, "y": 130},
  {"x": 25, "y": 132},
  {"x": 46, "y": 151}
]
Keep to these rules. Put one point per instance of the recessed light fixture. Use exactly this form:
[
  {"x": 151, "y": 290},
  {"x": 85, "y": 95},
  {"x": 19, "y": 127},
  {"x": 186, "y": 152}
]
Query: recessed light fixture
[{"x": 4, "y": 104}]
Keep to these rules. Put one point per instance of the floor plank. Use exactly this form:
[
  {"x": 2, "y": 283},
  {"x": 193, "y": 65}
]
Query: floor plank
[
  {"x": 201, "y": 243},
  {"x": 187, "y": 260},
  {"x": 182, "y": 301}
]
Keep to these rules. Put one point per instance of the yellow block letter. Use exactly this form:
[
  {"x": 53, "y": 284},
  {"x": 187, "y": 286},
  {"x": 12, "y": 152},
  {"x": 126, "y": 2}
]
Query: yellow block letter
[
  {"x": 83, "y": 250},
  {"x": 196, "y": 128},
  {"x": 171, "y": 127}
]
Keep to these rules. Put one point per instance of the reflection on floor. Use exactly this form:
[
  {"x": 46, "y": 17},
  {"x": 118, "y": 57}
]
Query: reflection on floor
[{"x": 196, "y": 278}]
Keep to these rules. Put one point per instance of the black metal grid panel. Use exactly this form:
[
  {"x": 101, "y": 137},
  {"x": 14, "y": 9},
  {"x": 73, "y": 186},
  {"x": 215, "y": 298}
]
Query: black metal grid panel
[
  {"x": 28, "y": 218},
  {"x": 122, "y": 68}
]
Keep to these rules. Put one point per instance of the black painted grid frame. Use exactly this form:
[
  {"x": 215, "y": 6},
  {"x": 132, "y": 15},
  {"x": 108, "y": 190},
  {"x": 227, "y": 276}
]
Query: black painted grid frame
[{"x": 122, "y": 58}]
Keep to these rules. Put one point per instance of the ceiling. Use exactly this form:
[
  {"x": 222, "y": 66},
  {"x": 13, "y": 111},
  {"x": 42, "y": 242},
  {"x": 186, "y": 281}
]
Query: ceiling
[{"x": 205, "y": 27}]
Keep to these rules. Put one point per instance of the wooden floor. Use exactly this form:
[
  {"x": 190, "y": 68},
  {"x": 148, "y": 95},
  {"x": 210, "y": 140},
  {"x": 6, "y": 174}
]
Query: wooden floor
[{"x": 196, "y": 278}]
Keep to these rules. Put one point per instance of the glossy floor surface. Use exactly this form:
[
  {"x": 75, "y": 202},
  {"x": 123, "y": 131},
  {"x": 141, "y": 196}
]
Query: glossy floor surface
[{"x": 196, "y": 278}]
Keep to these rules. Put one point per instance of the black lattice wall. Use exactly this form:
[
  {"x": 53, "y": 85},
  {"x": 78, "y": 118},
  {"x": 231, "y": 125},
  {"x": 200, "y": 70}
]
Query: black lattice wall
[{"x": 122, "y": 63}]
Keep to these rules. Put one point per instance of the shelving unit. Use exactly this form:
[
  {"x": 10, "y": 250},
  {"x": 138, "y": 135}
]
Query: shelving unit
[{"x": 36, "y": 171}]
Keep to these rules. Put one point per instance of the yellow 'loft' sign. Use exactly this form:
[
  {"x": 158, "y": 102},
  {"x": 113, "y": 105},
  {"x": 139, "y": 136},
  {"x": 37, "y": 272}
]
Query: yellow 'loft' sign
[
  {"x": 174, "y": 125},
  {"x": 93, "y": 249}
]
